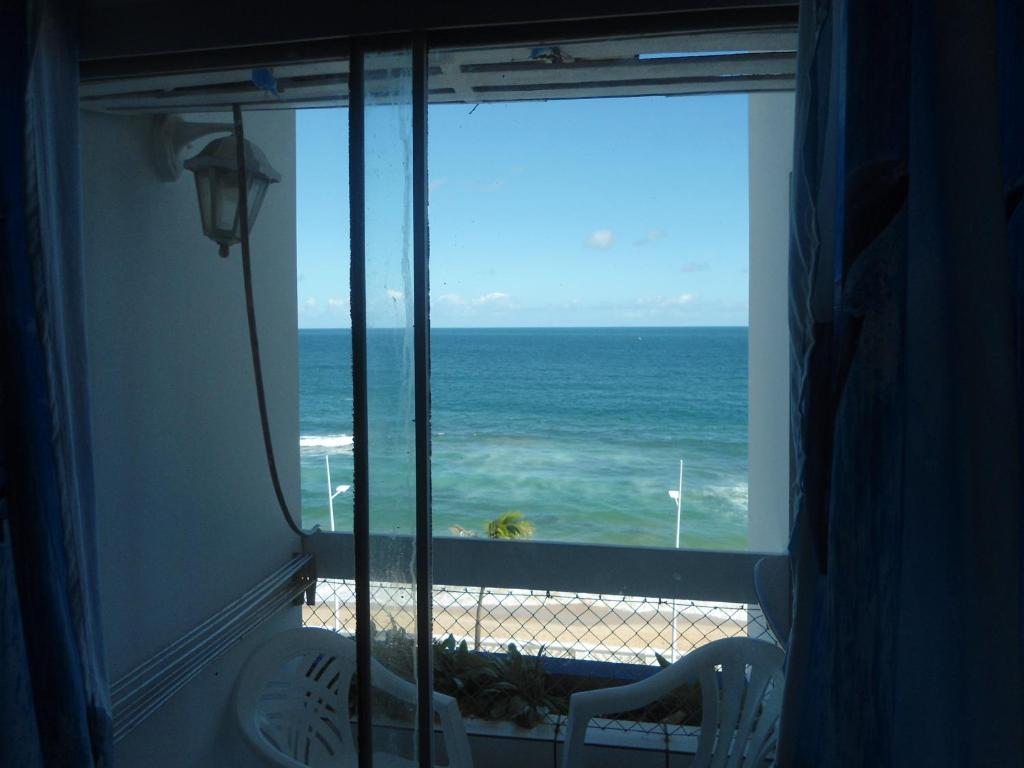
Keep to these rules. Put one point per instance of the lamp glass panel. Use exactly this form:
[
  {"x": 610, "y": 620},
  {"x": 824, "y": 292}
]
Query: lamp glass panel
[
  {"x": 225, "y": 210},
  {"x": 204, "y": 196},
  {"x": 257, "y": 191}
]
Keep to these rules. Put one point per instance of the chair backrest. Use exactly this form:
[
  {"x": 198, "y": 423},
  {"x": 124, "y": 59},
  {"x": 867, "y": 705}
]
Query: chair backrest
[
  {"x": 292, "y": 699},
  {"x": 741, "y": 685},
  {"x": 292, "y": 702}
]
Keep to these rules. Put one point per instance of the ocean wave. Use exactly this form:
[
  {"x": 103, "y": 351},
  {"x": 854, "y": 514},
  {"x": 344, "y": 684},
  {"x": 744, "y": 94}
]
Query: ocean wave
[
  {"x": 734, "y": 497},
  {"x": 325, "y": 441}
]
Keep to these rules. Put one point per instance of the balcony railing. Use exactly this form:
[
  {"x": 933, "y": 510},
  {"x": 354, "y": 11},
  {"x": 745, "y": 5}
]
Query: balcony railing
[{"x": 581, "y": 603}]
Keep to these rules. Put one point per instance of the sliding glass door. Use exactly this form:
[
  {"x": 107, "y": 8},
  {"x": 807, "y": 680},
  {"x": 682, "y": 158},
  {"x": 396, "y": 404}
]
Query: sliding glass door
[{"x": 390, "y": 363}]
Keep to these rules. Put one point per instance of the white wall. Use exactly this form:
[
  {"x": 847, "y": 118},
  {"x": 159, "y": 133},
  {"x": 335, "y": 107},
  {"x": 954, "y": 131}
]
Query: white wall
[
  {"x": 770, "y": 160},
  {"x": 187, "y": 518}
]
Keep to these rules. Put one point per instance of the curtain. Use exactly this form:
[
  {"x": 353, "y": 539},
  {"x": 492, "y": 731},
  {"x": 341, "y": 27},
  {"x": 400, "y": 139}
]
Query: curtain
[
  {"x": 54, "y": 703},
  {"x": 905, "y": 317}
]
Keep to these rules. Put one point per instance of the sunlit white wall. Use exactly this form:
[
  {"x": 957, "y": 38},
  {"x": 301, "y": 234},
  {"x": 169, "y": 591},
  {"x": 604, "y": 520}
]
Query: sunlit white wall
[{"x": 771, "y": 158}]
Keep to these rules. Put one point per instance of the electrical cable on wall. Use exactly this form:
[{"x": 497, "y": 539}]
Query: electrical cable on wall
[{"x": 254, "y": 344}]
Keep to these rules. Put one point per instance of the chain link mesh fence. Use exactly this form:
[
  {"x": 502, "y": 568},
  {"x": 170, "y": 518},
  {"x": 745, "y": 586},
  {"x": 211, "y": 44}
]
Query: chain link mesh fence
[{"x": 616, "y": 629}]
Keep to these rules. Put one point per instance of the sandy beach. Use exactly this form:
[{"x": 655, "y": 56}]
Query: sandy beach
[{"x": 567, "y": 625}]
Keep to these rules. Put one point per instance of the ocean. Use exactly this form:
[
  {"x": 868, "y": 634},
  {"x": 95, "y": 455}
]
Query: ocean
[{"x": 580, "y": 429}]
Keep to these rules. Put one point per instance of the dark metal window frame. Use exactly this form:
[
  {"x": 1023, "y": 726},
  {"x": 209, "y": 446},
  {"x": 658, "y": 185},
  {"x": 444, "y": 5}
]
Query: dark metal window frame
[
  {"x": 416, "y": 44},
  {"x": 360, "y": 429}
]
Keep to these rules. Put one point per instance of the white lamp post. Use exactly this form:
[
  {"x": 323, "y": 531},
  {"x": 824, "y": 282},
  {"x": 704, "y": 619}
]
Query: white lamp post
[
  {"x": 677, "y": 496},
  {"x": 332, "y": 492}
]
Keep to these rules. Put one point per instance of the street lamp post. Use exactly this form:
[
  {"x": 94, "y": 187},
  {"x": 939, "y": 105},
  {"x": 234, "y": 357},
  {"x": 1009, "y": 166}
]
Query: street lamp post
[
  {"x": 331, "y": 493},
  {"x": 677, "y": 496}
]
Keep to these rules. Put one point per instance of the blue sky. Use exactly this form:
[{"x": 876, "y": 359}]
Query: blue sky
[{"x": 601, "y": 212}]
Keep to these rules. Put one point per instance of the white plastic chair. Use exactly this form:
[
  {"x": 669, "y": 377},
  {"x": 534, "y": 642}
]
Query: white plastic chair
[
  {"x": 741, "y": 686},
  {"x": 292, "y": 703}
]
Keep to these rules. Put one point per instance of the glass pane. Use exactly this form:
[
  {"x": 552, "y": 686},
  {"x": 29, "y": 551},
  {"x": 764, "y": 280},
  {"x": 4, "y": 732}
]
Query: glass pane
[
  {"x": 225, "y": 203},
  {"x": 390, "y": 385},
  {"x": 203, "y": 195},
  {"x": 589, "y": 259},
  {"x": 300, "y": 270},
  {"x": 257, "y": 188},
  {"x": 593, "y": 247},
  {"x": 325, "y": 340},
  {"x": 325, "y": 345}
]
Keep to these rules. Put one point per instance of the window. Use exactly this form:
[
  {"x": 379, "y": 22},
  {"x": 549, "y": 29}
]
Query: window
[
  {"x": 608, "y": 250},
  {"x": 624, "y": 211}
]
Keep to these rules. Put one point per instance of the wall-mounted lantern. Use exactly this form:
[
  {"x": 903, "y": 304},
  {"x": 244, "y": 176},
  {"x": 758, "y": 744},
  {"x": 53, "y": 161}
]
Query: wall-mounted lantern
[
  {"x": 216, "y": 173},
  {"x": 216, "y": 170}
]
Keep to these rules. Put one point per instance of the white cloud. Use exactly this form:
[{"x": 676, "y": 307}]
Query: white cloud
[
  {"x": 311, "y": 302},
  {"x": 337, "y": 303},
  {"x": 695, "y": 266},
  {"x": 395, "y": 295},
  {"x": 666, "y": 301},
  {"x": 489, "y": 297},
  {"x": 452, "y": 298},
  {"x": 683, "y": 307},
  {"x": 650, "y": 236},
  {"x": 601, "y": 239},
  {"x": 436, "y": 184}
]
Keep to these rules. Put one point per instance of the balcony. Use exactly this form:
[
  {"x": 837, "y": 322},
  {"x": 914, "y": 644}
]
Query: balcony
[{"x": 595, "y": 615}]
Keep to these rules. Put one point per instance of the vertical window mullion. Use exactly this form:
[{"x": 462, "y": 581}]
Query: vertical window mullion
[
  {"x": 360, "y": 430},
  {"x": 421, "y": 339}
]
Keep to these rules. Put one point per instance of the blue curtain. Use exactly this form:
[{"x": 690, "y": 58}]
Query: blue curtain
[
  {"x": 54, "y": 702},
  {"x": 906, "y": 308}
]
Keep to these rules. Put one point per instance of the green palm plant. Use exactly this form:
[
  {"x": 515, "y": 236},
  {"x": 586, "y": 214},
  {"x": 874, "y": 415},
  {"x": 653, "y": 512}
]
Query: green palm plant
[{"x": 507, "y": 525}]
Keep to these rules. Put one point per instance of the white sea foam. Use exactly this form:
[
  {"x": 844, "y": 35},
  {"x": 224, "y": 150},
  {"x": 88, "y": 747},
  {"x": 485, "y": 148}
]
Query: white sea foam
[
  {"x": 325, "y": 441},
  {"x": 735, "y": 495}
]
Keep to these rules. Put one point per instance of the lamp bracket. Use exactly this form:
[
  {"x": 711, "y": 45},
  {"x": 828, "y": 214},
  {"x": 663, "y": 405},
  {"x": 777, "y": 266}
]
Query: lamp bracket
[{"x": 171, "y": 136}]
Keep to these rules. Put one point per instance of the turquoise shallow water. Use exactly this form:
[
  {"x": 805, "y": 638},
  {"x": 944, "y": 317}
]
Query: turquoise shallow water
[{"x": 580, "y": 429}]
